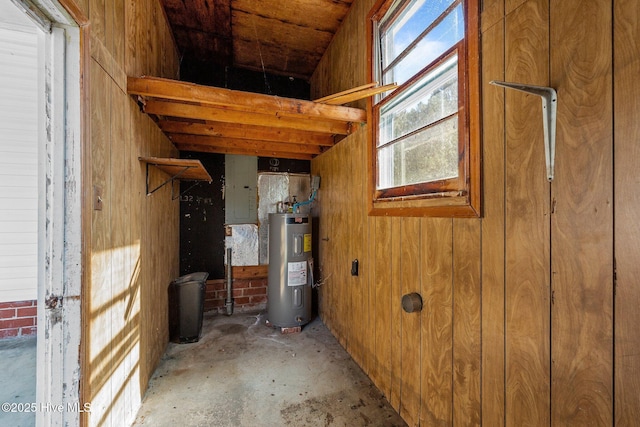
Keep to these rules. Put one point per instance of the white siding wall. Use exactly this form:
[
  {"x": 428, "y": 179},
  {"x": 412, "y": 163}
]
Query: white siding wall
[{"x": 18, "y": 163}]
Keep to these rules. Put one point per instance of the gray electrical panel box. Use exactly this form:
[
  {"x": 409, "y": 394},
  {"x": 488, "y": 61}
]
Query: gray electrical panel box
[
  {"x": 290, "y": 270},
  {"x": 241, "y": 189}
]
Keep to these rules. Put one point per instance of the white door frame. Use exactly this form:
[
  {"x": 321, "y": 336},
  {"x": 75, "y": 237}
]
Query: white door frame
[{"x": 59, "y": 215}]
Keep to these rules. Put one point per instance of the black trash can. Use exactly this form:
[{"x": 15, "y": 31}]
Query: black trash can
[{"x": 186, "y": 306}]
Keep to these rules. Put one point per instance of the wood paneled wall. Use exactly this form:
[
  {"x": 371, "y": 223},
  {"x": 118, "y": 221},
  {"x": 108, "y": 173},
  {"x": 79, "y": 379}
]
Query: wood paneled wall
[
  {"x": 626, "y": 95},
  {"x": 530, "y": 312},
  {"x": 132, "y": 243}
]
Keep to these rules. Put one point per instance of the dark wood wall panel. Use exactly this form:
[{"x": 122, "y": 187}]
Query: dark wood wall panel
[
  {"x": 493, "y": 236},
  {"x": 582, "y": 221},
  {"x": 527, "y": 260},
  {"x": 518, "y": 324},
  {"x": 626, "y": 67}
]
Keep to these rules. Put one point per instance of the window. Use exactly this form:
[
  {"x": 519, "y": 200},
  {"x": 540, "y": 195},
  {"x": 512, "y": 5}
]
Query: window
[{"x": 425, "y": 142}]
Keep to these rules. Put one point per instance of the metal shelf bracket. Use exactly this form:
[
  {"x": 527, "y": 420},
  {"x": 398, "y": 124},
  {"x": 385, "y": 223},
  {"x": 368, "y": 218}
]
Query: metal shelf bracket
[
  {"x": 549, "y": 114},
  {"x": 170, "y": 180}
]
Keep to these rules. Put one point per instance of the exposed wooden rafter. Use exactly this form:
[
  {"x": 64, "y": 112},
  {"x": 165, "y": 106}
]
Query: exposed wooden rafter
[{"x": 209, "y": 119}]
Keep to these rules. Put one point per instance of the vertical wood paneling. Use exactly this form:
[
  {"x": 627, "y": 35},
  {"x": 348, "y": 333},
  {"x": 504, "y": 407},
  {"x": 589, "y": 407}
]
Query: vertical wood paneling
[
  {"x": 119, "y": 226},
  {"x": 320, "y": 168},
  {"x": 493, "y": 223},
  {"x": 335, "y": 252},
  {"x": 437, "y": 323},
  {"x": 98, "y": 19},
  {"x": 135, "y": 39},
  {"x": 334, "y": 287},
  {"x": 511, "y": 5},
  {"x": 527, "y": 291},
  {"x": 466, "y": 325},
  {"x": 107, "y": 10},
  {"x": 118, "y": 30},
  {"x": 160, "y": 214},
  {"x": 131, "y": 61},
  {"x": 626, "y": 68},
  {"x": 170, "y": 59},
  {"x": 381, "y": 312},
  {"x": 331, "y": 289},
  {"x": 341, "y": 236},
  {"x": 155, "y": 36},
  {"x": 410, "y": 277},
  {"x": 137, "y": 197},
  {"x": 546, "y": 358},
  {"x": 359, "y": 318},
  {"x": 396, "y": 313},
  {"x": 367, "y": 265},
  {"x": 134, "y": 238},
  {"x": 582, "y": 223},
  {"x": 351, "y": 62},
  {"x": 492, "y": 12},
  {"x": 98, "y": 330}
]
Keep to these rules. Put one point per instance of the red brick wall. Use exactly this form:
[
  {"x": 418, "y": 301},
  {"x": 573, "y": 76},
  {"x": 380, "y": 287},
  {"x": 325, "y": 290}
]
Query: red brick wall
[
  {"x": 18, "y": 318},
  {"x": 247, "y": 294}
]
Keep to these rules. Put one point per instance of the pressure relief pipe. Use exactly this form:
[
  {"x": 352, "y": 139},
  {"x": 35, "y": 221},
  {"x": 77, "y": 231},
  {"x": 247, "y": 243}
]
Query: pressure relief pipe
[
  {"x": 306, "y": 202},
  {"x": 315, "y": 185},
  {"x": 229, "y": 301}
]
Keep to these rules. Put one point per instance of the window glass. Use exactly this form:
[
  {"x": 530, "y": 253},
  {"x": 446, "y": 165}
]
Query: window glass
[
  {"x": 432, "y": 98},
  {"x": 421, "y": 33},
  {"x": 431, "y": 155},
  {"x": 425, "y": 141}
]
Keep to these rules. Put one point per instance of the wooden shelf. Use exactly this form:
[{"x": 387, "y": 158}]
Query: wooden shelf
[{"x": 177, "y": 169}]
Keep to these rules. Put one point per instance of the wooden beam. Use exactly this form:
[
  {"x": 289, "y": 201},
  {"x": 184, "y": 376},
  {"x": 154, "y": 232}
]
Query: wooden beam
[
  {"x": 350, "y": 97},
  {"x": 249, "y": 271},
  {"x": 200, "y": 112},
  {"x": 250, "y": 132},
  {"x": 182, "y": 91},
  {"x": 324, "y": 99},
  {"x": 243, "y": 151},
  {"x": 247, "y": 144}
]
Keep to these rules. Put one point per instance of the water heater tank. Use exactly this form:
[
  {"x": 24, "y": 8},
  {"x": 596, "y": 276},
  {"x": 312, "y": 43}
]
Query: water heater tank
[{"x": 289, "y": 285}]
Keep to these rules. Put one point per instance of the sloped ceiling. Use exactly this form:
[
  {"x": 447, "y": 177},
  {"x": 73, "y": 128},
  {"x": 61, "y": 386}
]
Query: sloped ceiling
[{"x": 283, "y": 37}]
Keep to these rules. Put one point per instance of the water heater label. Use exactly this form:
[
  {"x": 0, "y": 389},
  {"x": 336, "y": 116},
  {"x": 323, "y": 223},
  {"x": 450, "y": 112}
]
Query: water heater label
[
  {"x": 297, "y": 274},
  {"x": 307, "y": 242}
]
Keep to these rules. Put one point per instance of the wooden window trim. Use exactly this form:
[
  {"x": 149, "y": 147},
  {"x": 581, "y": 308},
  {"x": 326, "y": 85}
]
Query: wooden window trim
[{"x": 446, "y": 203}]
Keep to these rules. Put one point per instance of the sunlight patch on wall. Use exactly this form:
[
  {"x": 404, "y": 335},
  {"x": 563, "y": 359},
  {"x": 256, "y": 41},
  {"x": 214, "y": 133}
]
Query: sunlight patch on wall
[{"x": 114, "y": 340}]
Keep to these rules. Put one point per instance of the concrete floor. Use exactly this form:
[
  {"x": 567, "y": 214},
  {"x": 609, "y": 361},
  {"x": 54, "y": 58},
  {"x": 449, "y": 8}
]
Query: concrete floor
[
  {"x": 244, "y": 373},
  {"x": 17, "y": 381}
]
